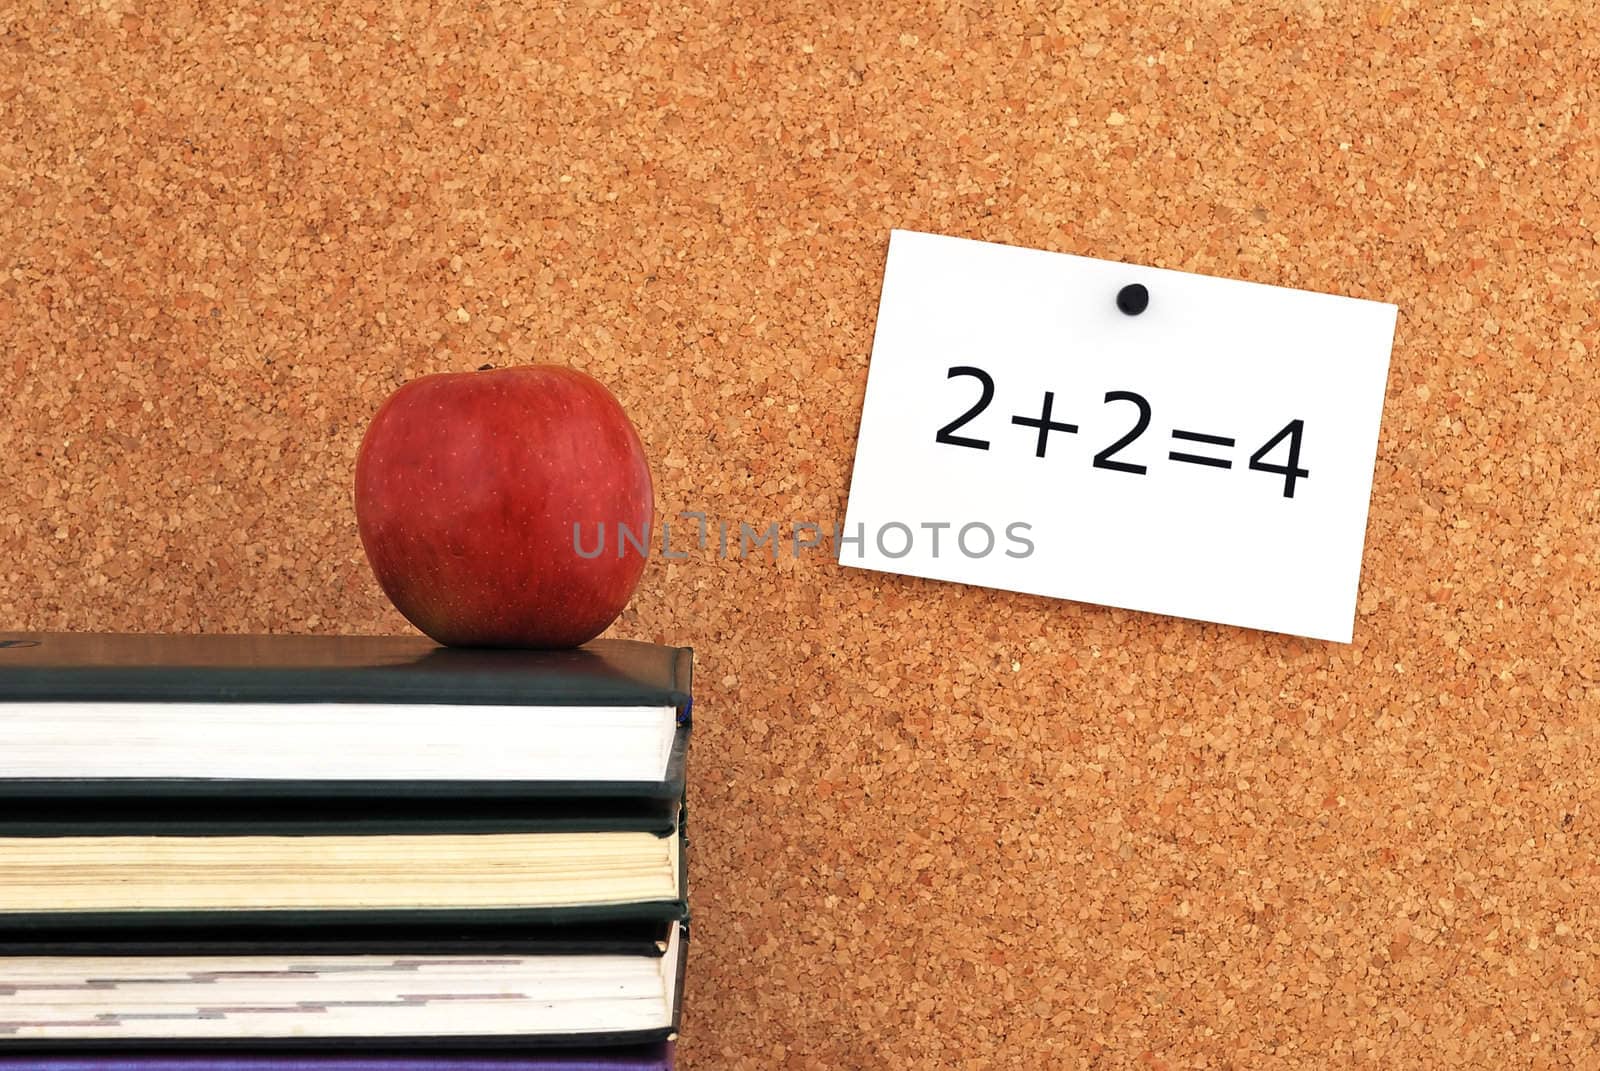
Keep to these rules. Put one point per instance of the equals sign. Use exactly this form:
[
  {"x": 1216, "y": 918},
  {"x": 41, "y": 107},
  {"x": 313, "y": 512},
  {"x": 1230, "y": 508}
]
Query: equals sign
[{"x": 1197, "y": 459}]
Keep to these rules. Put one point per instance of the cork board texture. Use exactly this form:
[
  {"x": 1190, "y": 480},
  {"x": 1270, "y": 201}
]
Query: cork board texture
[{"x": 934, "y": 826}]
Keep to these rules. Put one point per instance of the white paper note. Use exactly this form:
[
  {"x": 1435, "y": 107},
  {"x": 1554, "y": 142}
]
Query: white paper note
[{"x": 1209, "y": 457}]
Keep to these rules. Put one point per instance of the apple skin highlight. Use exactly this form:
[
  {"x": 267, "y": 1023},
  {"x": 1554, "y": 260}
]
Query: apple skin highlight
[{"x": 468, "y": 487}]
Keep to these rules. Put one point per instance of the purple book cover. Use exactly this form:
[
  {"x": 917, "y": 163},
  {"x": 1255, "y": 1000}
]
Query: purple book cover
[{"x": 654, "y": 1058}]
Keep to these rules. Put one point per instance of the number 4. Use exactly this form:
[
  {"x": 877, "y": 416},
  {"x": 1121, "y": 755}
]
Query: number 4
[{"x": 1290, "y": 471}]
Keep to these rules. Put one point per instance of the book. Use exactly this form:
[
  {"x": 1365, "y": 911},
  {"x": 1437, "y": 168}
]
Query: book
[
  {"x": 281, "y": 852},
  {"x": 486, "y": 993},
  {"x": 143, "y": 868},
  {"x": 657, "y": 1057},
  {"x": 85, "y": 715}
]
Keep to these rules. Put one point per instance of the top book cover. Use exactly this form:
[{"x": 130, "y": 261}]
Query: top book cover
[{"x": 335, "y": 669}]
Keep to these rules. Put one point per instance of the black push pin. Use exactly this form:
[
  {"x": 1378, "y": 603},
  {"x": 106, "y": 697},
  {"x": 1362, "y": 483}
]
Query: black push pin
[{"x": 1133, "y": 299}]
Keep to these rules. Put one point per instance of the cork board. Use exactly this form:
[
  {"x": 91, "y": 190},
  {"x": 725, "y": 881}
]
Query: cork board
[{"x": 933, "y": 826}]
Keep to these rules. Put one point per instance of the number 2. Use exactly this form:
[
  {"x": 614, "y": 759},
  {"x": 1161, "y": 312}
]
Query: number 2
[
  {"x": 944, "y": 435},
  {"x": 1102, "y": 460}
]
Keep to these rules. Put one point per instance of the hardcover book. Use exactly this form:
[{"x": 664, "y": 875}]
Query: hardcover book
[
  {"x": 281, "y": 852},
  {"x": 492, "y": 991},
  {"x": 656, "y": 1057},
  {"x": 108, "y": 874},
  {"x": 328, "y": 717}
]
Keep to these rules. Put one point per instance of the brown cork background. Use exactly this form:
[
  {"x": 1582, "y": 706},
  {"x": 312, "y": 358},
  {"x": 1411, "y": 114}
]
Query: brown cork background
[{"x": 934, "y": 826}]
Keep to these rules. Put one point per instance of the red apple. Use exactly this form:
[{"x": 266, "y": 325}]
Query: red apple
[{"x": 468, "y": 488}]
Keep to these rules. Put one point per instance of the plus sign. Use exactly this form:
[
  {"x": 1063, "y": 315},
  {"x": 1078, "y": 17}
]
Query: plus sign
[{"x": 1045, "y": 424}]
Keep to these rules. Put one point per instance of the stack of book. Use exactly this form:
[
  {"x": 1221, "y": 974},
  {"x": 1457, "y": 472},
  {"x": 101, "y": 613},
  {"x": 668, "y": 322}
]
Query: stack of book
[{"x": 352, "y": 853}]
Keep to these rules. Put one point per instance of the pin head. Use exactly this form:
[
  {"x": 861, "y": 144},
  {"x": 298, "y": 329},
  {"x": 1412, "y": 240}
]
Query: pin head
[{"x": 1133, "y": 299}]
